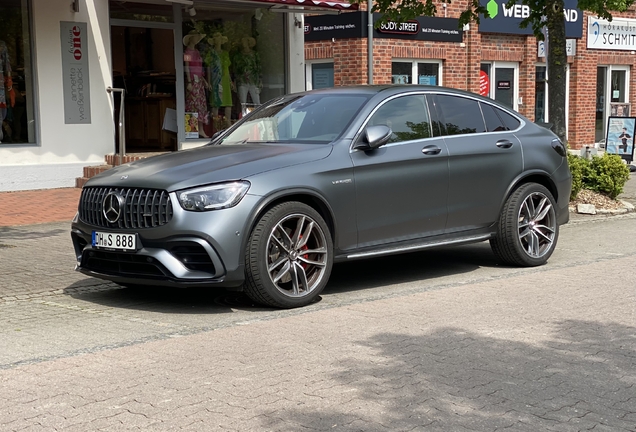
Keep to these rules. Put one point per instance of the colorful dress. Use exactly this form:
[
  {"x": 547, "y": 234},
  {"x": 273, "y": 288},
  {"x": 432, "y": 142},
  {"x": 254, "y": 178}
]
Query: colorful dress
[
  {"x": 247, "y": 68},
  {"x": 216, "y": 73},
  {"x": 195, "y": 98},
  {"x": 226, "y": 81},
  {"x": 5, "y": 72}
]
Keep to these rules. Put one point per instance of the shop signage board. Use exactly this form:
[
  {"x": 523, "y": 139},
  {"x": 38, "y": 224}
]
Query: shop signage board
[
  {"x": 620, "y": 34},
  {"x": 570, "y": 48},
  {"x": 422, "y": 28},
  {"x": 343, "y": 26},
  {"x": 354, "y": 25},
  {"x": 620, "y": 137},
  {"x": 75, "y": 76},
  {"x": 507, "y": 20}
]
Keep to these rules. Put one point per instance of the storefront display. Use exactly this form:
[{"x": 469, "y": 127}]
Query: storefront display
[
  {"x": 227, "y": 69},
  {"x": 16, "y": 103}
]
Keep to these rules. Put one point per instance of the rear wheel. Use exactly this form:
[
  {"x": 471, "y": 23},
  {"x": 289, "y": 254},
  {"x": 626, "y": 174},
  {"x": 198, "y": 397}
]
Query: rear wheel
[
  {"x": 527, "y": 232},
  {"x": 289, "y": 256}
]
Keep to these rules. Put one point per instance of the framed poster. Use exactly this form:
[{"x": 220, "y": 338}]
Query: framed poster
[
  {"x": 191, "y": 125},
  {"x": 619, "y": 109},
  {"x": 620, "y": 137}
]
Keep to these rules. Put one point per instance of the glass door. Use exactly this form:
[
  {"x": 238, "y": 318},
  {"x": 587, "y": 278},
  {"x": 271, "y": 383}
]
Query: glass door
[
  {"x": 601, "y": 73},
  {"x": 500, "y": 82},
  {"x": 612, "y": 87},
  {"x": 505, "y": 86}
]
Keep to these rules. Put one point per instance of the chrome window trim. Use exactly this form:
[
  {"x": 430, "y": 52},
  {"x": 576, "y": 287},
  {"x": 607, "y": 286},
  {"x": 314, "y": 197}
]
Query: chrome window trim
[{"x": 425, "y": 93}]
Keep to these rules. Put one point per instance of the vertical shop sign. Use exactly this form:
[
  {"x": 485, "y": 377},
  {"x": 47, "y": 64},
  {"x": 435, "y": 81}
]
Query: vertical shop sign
[
  {"x": 75, "y": 76},
  {"x": 484, "y": 84}
]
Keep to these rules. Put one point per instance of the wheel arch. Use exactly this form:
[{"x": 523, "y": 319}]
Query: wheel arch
[
  {"x": 306, "y": 196},
  {"x": 539, "y": 177}
]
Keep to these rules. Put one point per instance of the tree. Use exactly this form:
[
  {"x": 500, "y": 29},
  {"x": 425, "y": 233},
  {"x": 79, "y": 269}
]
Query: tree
[{"x": 543, "y": 13}]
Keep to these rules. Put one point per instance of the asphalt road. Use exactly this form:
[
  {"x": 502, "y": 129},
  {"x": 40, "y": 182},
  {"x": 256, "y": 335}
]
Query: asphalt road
[{"x": 444, "y": 340}]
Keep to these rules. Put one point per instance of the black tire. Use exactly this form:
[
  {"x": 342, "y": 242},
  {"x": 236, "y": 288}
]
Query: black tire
[
  {"x": 527, "y": 231},
  {"x": 278, "y": 272}
]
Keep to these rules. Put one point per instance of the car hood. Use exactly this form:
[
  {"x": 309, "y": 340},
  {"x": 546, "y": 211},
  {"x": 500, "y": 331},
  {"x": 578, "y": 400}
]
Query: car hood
[{"x": 208, "y": 164}]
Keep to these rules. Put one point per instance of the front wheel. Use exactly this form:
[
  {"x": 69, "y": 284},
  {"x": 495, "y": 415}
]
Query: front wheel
[
  {"x": 289, "y": 256},
  {"x": 527, "y": 231}
]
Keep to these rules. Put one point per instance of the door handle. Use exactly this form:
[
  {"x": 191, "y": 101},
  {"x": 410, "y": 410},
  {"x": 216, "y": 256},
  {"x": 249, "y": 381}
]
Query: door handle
[
  {"x": 504, "y": 144},
  {"x": 431, "y": 150}
]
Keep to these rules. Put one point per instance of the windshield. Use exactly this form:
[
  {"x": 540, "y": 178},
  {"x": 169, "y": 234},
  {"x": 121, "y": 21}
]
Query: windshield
[{"x": 312, "y": 118}]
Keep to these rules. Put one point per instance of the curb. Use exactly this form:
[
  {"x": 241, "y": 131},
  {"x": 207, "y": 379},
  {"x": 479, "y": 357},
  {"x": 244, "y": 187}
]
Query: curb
[{"x": 590, "y": 209}]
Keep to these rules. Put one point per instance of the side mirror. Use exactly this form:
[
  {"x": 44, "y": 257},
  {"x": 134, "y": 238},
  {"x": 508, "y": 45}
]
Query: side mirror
[{"x": 374, "y": 137}]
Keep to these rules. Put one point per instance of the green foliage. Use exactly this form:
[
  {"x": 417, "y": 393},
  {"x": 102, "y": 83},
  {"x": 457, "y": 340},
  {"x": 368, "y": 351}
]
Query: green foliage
[
  {"x": 578, "y": 167},
  {"x": 607, "y": 174}
]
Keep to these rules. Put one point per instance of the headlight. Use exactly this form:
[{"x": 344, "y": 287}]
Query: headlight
[{"x": 218, "y": 196}]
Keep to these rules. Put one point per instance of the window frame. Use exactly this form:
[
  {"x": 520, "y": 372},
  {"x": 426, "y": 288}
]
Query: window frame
[
  {"x": 414, "y": 69},
  {"x": 309, "y": 71}
]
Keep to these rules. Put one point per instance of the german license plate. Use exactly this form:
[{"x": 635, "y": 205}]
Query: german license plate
[{"x": 116, "y": 241}]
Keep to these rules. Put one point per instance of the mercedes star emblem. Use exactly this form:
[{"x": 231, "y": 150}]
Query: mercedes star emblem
[{"x": 112, "y": 206}]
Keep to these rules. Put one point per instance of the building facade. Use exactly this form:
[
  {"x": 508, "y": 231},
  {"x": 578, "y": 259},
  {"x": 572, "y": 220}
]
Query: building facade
[
  {"x": 496, "y": 58},
  {"x": 187, "y": 68}
]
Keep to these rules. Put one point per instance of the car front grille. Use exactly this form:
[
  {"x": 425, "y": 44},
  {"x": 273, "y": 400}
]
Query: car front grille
[{"x": 142, "y": 208}]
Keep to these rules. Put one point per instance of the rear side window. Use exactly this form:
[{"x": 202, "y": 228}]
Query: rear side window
[
  {"x": 407, "y": 116},
  {"x": 458, "y": 115},
  {"x": 493, "y": 121},
  {"x": 510, "y": 121}
]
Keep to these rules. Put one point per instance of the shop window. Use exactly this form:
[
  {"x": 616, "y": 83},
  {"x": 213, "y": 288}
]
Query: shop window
[
  {"x": 16, "y": 82},
  {"x": 416, "y": 72},
  {"x": 320, "y": 75},
  {"x": 127, "y": 10},
  {"x": 540, "y": 96},
  {"x": 233, "y": 61}
]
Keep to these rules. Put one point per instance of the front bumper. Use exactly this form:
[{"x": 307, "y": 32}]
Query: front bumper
[{"x": 202, "y": 249}]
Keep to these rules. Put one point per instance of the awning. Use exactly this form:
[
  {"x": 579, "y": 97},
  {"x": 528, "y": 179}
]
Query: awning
[{"x": 300, "y": 5}]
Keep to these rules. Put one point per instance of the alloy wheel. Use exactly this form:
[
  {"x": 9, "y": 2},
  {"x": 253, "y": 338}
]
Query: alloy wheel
[
  {"x": 537, "y": 225},
  {"x": 297, "y": 255}
]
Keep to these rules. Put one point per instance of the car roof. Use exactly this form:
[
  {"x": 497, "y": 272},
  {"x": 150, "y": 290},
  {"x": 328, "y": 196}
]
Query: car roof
[{"x": 391, "y": 89}]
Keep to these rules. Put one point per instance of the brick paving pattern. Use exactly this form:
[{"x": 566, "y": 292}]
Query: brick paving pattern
[
  {"x": 456, "y": 343},
  {"x": 38, "y": 206}
]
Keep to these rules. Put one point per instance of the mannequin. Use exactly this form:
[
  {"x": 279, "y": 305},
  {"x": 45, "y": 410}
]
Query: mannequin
[
  {"x": 247, "y": 67},
  {"x": 196, "y": 84},
  {"x": 6, "y": 96},
  {"x": 221, "y": 93}
]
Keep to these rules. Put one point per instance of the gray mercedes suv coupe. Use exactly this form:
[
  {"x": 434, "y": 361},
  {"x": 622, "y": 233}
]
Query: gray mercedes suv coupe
[{"x": 311, "y": 179}]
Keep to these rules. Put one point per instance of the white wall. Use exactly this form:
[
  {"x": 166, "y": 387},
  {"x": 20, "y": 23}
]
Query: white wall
[
  {"x": 296, "y": 53},
  {"x": 62, "y": 150}
]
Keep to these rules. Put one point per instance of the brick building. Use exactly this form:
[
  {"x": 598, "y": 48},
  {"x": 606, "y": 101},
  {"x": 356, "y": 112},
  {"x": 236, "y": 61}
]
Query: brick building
[{"x": 495, "y": 58}]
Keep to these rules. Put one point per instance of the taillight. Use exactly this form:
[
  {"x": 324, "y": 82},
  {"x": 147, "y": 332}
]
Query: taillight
[{"x": 559, "y": 147}]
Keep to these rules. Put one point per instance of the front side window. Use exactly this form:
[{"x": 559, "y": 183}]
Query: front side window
[
  {"x": 407, "y": 116},
  {"x": 312, "y": 119},
  {"x": 459, "y": 115},
  {"x": 16, "y": 81}
]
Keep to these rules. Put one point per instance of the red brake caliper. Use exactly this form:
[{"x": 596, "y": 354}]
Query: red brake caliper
[{"x": 306, "y": 256}]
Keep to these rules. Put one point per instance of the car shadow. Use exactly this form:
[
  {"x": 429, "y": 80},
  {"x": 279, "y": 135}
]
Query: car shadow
[
  {"x": 410, "y": 267},
  {"x": 346, "y": 277},
  {"x": 30, "y": 232}
]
